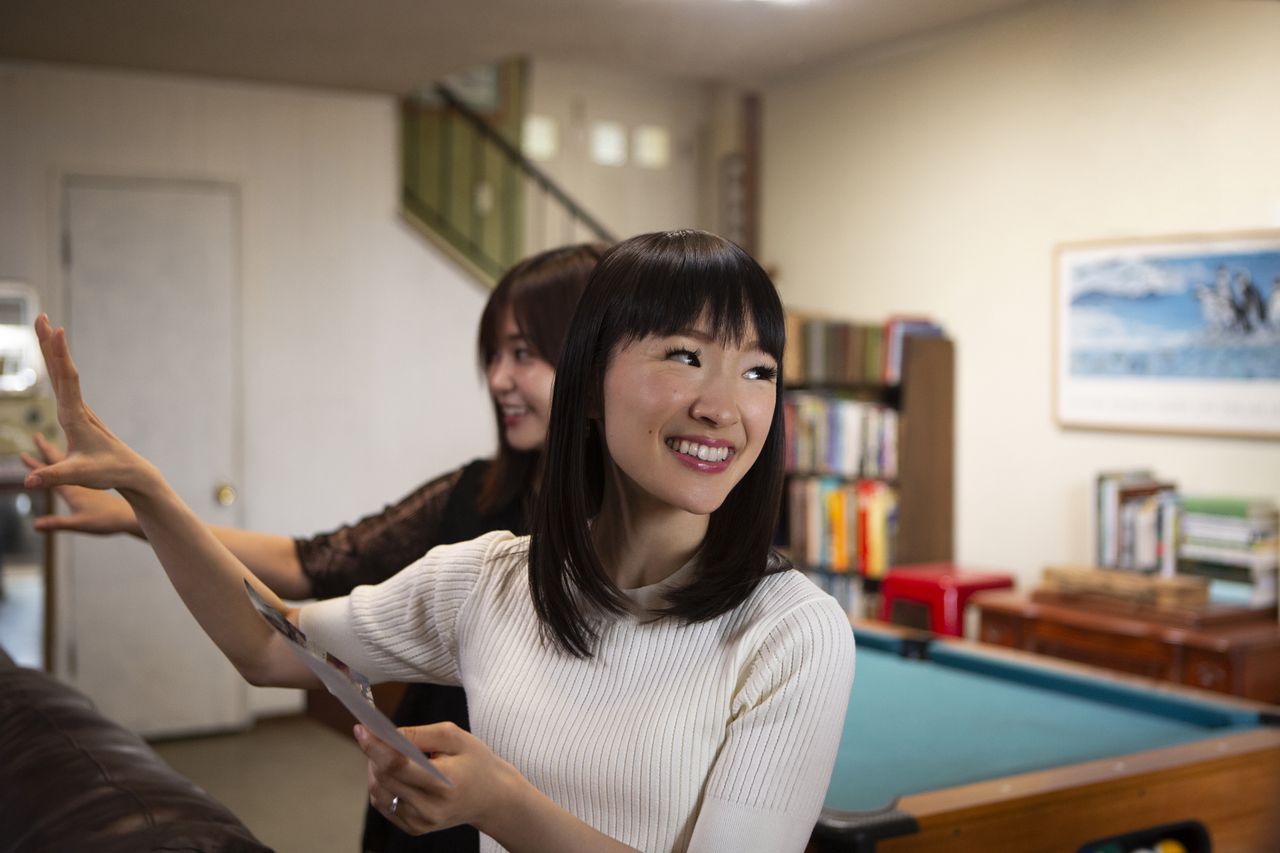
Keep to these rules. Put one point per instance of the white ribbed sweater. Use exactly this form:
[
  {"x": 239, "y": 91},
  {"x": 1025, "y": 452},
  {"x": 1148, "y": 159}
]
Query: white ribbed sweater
[{"x": 717, "y": 737}]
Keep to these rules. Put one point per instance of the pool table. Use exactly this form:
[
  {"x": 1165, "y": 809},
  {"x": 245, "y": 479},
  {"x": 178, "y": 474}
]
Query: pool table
[{"x": 956, "y": 746}]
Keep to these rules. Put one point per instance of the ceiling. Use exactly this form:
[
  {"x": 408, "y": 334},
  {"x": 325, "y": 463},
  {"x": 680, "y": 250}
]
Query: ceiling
[{"x": 397, "y": 46}]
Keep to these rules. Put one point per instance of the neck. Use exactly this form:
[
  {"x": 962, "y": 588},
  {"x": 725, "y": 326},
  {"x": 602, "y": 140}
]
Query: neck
[{"x": 639, "y": 542}]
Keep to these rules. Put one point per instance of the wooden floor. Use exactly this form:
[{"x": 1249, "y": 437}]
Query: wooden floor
[{"x": 299, "y": 786}]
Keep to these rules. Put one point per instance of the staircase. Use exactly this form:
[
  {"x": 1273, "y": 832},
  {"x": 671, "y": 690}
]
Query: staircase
[{"x": 468, "y": 187}]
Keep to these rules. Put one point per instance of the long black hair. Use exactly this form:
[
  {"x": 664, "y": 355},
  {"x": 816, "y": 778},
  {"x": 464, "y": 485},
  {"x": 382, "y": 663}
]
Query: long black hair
[{"x": 654, "y": 284}]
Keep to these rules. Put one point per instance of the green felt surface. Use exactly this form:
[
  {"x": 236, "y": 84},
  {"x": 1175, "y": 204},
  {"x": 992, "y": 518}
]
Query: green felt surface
[{"x": 917, "y": 726}]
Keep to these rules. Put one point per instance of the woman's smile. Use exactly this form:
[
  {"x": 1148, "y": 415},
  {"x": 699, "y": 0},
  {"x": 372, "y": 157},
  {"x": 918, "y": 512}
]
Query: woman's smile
[{"x": 710, "y": 455}]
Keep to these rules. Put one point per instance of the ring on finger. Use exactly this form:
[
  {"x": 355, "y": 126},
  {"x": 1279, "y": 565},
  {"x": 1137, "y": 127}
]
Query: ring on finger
[{"x": 395, "y": 804}]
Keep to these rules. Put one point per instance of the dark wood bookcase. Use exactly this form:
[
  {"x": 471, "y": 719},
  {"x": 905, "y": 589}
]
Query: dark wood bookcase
[{"x": 925, "y": 483}]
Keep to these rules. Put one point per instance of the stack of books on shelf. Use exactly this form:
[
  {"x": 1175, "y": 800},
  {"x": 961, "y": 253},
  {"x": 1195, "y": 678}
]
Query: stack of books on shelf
[
  {"x": 824, "y": 352},
  {"x": 836, "y": 526},
  {"x": 1233, "y": 542},
  {"x": 1135, "y": 522},
  {"x": 827, "y": 434}
]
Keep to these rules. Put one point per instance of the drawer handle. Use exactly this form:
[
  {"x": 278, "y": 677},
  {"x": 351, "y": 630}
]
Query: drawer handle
[{"x": 1209, "y": 674}]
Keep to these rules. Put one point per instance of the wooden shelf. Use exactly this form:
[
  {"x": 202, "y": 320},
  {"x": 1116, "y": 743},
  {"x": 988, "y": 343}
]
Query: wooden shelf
[{"x": 925, "y": 403}]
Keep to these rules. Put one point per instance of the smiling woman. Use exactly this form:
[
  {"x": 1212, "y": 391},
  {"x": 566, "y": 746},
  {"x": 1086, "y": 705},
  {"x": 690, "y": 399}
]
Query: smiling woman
[
  {"x": 643, "y": 673},
  {"x": 658, "y": 307}
]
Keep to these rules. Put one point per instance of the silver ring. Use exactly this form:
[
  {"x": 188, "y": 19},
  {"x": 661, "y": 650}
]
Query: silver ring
[{"x": 395, "y": 804}]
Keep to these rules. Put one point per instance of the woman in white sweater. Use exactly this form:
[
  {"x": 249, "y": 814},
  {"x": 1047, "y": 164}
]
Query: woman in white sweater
[{"x": 643, "y": 673}]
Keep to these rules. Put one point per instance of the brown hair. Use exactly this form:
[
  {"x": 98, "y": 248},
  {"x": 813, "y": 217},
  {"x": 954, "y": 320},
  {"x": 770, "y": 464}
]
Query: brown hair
[{"x": 541, "y": 291}]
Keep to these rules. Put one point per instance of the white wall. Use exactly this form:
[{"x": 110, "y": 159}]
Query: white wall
[
  {"x": 938, "y": 177},
  {"x": 627, "y": 199},
  {"x": 360, "y": 378}
]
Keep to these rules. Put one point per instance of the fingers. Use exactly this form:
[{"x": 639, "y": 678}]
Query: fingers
[
  {"x": 390, "y": 763},
  {"x": 50, "y": 451},
  {"x": 47, "y": 523},
  {"x": 57, "y": 360},
  {"x": 68, "y": 472},
  {"x": 386, "y": 759},
  {"x": 395, "y": 803},
  {"x": 437, "y": 737}
]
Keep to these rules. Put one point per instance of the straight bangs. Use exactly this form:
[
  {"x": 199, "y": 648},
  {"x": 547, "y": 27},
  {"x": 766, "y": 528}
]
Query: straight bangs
[
  {"x": 670, "y": 282},
  {"x": 655, "y": 284}
]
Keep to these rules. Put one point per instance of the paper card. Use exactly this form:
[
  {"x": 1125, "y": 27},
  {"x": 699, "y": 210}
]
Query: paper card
[{"x": 351, "y": 688}]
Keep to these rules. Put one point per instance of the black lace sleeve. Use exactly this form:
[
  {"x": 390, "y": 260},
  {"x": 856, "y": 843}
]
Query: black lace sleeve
[{"x": 377, "y": 546}]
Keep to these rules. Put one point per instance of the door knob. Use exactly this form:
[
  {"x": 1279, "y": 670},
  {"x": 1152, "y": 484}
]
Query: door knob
[{"x": 224, "y": 494}]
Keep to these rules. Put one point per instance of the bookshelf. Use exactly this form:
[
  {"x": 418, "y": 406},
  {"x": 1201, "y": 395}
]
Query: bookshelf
[{"x": 920, "y": 409}]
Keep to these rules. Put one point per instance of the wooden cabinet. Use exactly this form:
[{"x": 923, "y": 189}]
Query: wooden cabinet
[{"x": 1235, "y": 652}]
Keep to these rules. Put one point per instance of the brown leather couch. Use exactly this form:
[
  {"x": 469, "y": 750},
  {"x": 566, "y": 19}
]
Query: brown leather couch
[{"x": 72, "y": 781}]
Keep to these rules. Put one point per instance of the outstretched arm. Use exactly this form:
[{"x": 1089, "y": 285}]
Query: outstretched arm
[
  {"x": 205, "y": 574},
  {"x": 271, "y": 557}
]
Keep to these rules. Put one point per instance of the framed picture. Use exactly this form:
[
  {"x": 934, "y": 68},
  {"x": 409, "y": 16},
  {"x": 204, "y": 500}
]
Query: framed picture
[{"x": 1176, "y": 334}]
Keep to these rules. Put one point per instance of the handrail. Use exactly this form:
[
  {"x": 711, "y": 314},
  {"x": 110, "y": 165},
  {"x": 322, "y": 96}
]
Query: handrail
[
  {"x": 526, "y": 165},
  {"x": 471, "y": 190}
]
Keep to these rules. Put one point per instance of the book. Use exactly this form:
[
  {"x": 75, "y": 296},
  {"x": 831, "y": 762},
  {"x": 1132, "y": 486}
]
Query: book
[
  {"x": 873, "y": 366},
  {"x": 1259, "y": 593},
  {"x": 896, "y": 329},
  {"x": 1254, "y": 560},
  {"x": 1138, "y": 533},
  {"x": 1125, "y": 520},
  {"x": 1231, "y": 507},
  {"x": 793, "y": 360},
  {"x": 1227, "y": 530}
]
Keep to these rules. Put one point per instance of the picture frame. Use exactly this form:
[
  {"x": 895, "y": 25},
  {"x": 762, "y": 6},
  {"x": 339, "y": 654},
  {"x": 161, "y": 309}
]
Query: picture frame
[{"x": 1177, "y": 334}]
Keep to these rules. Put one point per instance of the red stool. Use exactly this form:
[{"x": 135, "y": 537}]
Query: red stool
[{"x": 944, "y": 588}]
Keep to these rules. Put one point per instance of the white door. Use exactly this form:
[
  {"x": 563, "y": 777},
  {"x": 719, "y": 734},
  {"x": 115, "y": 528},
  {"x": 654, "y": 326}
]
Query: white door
[{"x": 152, "y": 312}]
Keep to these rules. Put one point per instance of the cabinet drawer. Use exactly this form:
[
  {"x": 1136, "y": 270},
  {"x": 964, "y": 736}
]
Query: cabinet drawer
[
  {"x": 1209, "y": 671},
  {"x": 1136, "y": 655},
  {"x": 1001, "y": 630}
]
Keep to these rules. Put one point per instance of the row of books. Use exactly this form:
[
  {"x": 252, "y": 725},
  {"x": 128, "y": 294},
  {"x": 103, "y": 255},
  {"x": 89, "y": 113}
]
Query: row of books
[
  {"x": 842, "y": 437},
  {"x": 841, "y": 526},
  {"x": 845, "y": 589},
  {"x": 836, "y": 352},
  {"x": 1135, "y": 521}
]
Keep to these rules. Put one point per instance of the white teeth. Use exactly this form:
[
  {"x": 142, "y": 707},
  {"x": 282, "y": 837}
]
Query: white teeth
[{"x": 699, "y": 451}]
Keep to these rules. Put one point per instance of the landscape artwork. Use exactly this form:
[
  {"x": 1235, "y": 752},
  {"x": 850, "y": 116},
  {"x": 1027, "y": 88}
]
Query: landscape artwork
[{"x": 1174, "y": 335}]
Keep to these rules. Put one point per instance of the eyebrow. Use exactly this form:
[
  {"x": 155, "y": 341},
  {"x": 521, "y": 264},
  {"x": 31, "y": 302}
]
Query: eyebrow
[{"x": 703, "y": 336}]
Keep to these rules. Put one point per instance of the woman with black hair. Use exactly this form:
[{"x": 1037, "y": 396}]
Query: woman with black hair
[
  {"x": 522, "y": 331},
  {"x": 642, "y": 672}
]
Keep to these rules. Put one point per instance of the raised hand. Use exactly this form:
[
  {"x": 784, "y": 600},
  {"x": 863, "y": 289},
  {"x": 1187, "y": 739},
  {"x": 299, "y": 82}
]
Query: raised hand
[
  {"x": 95, "y": 458},
  {"x": 91, "y": 511}
]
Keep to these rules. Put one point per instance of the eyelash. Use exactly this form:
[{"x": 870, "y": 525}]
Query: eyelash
[
  {"x": 684, "y": 351},
  {"x": 762, "y": 371}
]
